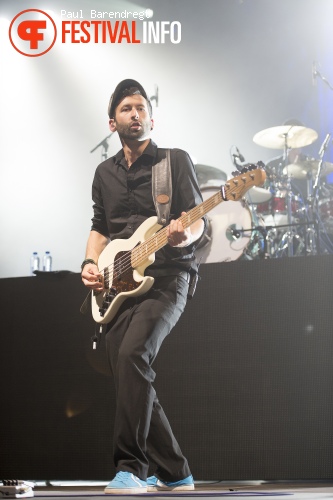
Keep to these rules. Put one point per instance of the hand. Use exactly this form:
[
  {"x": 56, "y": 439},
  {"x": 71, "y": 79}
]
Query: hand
[
  {"x": 92, "y": 278},
  {"x": 177, "y": 235}
]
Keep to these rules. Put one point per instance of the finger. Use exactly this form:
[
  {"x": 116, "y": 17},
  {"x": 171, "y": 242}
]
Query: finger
[
  {"x": 180, "y": 226},
  {"x": 91, "y": 277},
  {"x": 98, "y": 286}
]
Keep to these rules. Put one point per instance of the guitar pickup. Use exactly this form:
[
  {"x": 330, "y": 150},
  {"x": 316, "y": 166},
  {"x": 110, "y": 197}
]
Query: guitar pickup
[
  {"x": 107, "y": 300},
  {"x": 106, "y": 277}
]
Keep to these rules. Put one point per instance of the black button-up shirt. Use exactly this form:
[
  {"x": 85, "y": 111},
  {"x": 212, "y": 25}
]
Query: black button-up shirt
[{"x": 123, "y": 199}]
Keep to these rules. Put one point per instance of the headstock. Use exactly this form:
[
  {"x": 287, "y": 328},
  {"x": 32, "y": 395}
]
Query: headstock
[{"x": 250, "y": 175}]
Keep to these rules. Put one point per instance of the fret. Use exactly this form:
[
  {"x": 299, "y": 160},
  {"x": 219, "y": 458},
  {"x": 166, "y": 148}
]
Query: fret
[{"x": 234, "y": 189}]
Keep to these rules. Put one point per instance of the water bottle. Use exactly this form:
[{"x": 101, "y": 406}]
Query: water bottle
[
  {"x": 34, "y": 263},
  {"x": 47, "y": 262}
]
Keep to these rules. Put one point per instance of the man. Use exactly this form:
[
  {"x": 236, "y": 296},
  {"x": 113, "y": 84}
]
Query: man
[{"x": 122, "y": 195}]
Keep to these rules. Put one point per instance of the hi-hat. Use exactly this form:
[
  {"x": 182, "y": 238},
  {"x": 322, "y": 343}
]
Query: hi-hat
[
  {"x": 301, "y": 169},
  {"x": 291, "y": 136}
]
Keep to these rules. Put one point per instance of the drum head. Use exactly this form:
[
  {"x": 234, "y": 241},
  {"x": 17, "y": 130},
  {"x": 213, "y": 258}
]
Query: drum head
[
  {"x": 209, "y": 176},
  {"x": 226, "y": 240}
]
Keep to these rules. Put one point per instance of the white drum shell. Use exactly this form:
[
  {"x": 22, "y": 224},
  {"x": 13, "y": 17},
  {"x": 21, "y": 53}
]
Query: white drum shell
[{"x": 226, "y": 222}]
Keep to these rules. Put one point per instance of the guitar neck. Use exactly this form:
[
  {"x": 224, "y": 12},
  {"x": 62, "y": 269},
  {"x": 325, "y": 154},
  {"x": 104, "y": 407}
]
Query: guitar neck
[
  {"x": 159, "y": 239},
  {"x": 233, "y": 190}
]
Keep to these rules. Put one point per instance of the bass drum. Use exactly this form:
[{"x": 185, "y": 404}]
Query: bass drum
[{"x": 225, "y": 240}]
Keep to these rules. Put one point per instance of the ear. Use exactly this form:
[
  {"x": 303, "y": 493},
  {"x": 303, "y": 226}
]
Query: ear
[
  {"x": 151, "y": 124},
  {"x": 112, "y": 125}
]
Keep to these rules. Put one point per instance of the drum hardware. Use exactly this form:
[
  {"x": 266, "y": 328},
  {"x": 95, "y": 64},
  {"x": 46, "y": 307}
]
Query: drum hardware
[
  {"x": 313, "y": 191},
  {"x": 283, "y": 204},
  {"x": 236, "y": 233},
  {"x": 322, "y": 152},
  {"x": 288, "y": 136},
  {"x": 274, "y": 244},
  {"x": 287, "y": 238},
  {"x": 283, "y": 219}
]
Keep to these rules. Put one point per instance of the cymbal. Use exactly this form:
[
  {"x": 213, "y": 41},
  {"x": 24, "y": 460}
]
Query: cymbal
[
  {"x": 275, "y": 137},
  {"x": 258, "y": 195},
  {"x": 207, "y": 175},
  {"x": 300, "y": 170}
]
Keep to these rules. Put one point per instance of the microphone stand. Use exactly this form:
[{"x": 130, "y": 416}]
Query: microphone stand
[
  {"x": 105, "y": 146},
  {"x": 316, "y": 73},
  {"x": 236, "y": 233}
]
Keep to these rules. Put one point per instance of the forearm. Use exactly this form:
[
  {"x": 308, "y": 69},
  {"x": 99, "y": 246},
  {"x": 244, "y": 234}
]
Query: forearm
[
  {"x": 95, "y": 245},
  {"x": 91, "y": 276}
]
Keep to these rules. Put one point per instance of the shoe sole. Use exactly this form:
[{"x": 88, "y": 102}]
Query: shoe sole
[
  {"x": 185, "y": 487},
  {"x": 125, "y": 491}
]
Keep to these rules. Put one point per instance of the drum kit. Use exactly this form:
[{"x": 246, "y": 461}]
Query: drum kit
[{"x": 291, "y": 215}]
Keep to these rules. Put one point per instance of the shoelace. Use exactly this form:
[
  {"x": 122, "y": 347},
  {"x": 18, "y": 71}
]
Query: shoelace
[{"x": 122, "y": 476}]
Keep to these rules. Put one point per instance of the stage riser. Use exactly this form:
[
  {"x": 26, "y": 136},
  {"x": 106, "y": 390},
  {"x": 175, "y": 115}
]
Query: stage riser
[{"x": 246, "y": 377}]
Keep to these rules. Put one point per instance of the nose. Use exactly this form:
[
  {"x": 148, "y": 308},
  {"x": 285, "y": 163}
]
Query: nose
[{"x": 135, "y": 113}]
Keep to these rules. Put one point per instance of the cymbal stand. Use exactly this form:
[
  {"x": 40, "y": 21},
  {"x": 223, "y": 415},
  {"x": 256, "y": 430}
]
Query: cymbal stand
[
  {"x": 290, "y": 236},
  {"x": 312, "y": 234},
  {"x": 322, "y": 152},
  {"x": 313, "y": 198}
]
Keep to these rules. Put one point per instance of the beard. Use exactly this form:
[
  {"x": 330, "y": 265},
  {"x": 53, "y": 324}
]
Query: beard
[{"x": 128, "y": 133}]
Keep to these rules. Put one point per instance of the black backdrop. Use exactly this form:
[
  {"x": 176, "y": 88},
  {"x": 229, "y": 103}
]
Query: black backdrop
[{"x": 246, "y": 377}]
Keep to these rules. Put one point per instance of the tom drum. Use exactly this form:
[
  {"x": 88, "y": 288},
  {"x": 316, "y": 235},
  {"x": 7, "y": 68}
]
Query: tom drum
[{"x": 226, "y": 239}]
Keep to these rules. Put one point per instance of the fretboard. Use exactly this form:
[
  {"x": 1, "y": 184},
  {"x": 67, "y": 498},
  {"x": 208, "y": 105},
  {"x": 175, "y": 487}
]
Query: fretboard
[{"x": 140, "y": 253}]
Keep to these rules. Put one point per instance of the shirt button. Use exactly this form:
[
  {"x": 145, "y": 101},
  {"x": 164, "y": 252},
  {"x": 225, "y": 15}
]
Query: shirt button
[{"x": 129, "y": 226}]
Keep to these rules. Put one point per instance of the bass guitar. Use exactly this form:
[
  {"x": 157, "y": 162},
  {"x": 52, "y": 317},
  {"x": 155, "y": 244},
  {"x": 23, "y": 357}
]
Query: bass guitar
[{"x": 123, "y": 262}]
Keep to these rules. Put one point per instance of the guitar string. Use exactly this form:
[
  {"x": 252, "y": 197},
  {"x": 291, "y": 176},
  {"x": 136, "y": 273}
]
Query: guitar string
[{"x": 150, "y": 244}]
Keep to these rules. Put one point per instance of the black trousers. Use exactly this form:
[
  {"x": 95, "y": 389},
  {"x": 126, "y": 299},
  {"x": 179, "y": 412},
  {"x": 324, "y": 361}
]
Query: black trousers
[{"x": 142, "y": 432}]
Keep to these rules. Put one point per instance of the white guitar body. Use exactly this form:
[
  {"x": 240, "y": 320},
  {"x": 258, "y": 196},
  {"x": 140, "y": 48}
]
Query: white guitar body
[
  {"x": 132, "y": 282},
  {"x": 123, "y": 262}
]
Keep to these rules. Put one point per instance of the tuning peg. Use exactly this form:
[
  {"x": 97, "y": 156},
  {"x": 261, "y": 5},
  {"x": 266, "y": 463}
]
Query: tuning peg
[
  {"x": 235, "y": 173},
  {"x": 261, "y": 164}
]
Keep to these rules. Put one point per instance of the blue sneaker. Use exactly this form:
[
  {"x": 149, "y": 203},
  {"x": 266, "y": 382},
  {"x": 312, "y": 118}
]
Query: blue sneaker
[
  {"x": 155, "y": 484},
  {"x": 125, "y": 483}
]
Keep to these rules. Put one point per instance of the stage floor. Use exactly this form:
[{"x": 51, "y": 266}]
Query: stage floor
[{"x": 252, "y": 489}]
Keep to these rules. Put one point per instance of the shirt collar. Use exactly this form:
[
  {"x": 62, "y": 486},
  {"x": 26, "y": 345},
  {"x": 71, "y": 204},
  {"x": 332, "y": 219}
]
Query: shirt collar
[{"x": 150, "y": 150}]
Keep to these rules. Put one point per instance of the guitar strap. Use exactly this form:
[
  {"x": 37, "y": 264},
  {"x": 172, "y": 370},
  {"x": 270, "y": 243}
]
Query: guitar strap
[
  {"x": 162, "y": 185},
  {"x": 162, "y": 196}
]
